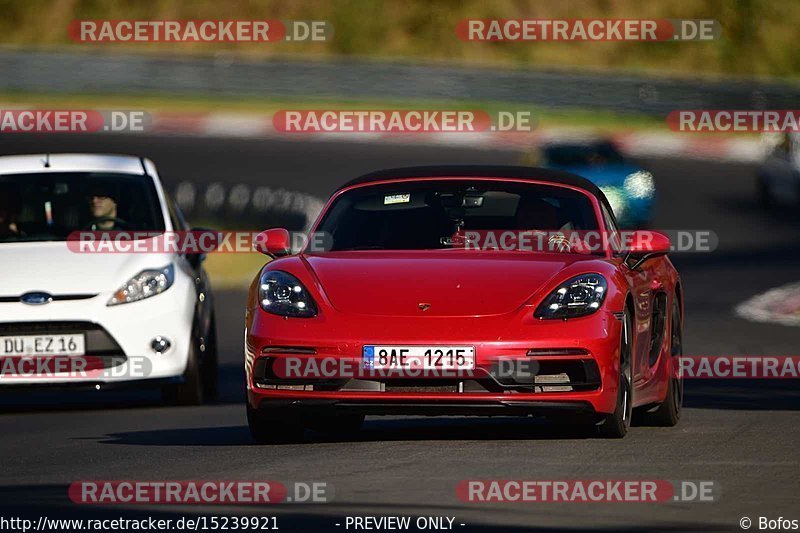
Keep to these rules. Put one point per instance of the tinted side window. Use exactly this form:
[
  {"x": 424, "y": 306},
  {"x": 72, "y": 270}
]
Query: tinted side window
[
  {"x": 611, "y": 226},
  {"x": 175, "y": 215}
]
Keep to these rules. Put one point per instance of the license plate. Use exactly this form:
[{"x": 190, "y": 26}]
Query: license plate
[
  {"x": 28, "y": 345},
  {"x": 419, "y": 357}
]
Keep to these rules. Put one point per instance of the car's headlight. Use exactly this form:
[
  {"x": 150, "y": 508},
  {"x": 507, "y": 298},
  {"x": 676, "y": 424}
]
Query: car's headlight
[
  {"x": 581, "y": 295},
  {"x": 143, "y": 285},
  {"x": 282, "y": 294},
  {"x": 640, "y": 185}
]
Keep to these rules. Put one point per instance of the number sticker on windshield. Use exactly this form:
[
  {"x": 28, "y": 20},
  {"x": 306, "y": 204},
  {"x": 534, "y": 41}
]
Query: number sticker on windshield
[{"x": 397, "y": 199}]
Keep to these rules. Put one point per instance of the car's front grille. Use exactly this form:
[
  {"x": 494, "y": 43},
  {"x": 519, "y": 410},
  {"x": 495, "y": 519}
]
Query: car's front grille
[
  {"x": 98, "y": 341},
  {"x": 545, "y": 370}
]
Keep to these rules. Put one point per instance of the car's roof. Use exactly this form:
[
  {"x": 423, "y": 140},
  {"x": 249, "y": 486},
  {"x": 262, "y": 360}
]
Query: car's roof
[
  {"x": 34, "y": 163},
  {"x": 557, "y": 177}
]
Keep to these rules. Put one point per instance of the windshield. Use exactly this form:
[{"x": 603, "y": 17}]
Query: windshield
[
  {"x": 50, "y": 206},
  {"x": 567, "y": 155},
  {"x": 438, "y": 214}
]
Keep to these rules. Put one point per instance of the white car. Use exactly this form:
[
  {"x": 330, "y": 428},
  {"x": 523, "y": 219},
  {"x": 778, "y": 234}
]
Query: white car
[
  {"x": 778, "y": 176},
  {"x": 106, "y": 318}
]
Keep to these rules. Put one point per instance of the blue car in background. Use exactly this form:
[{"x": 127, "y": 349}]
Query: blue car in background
[{"x": 630, "y": 189}]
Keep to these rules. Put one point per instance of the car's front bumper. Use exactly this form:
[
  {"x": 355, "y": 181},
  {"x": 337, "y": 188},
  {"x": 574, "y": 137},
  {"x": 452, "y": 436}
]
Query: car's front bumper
[
  {"x": 294, "y": 407},
  {"x": 594, "y": 339},
  {"x": 118, "y": 338}
]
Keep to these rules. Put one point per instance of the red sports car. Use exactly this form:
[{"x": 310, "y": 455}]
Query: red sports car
[{"x": 463, "y": 290}]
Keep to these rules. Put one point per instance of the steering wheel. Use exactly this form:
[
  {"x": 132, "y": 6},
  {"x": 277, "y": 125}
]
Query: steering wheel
[{"x": 118, "y": 222}]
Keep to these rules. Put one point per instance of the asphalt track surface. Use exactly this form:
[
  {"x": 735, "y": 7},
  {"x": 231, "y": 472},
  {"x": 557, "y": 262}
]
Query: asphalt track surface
[{"x": 741, "y": 434}]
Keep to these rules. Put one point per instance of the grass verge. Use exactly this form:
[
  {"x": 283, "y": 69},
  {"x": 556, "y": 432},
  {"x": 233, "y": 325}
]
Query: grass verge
[
  {"x": 233, "y": 271},
  {"x": 543, "y": 117}
]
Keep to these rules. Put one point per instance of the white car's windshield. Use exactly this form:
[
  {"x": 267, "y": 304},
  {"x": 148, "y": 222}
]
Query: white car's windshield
[{"x": 50, "y": 206}]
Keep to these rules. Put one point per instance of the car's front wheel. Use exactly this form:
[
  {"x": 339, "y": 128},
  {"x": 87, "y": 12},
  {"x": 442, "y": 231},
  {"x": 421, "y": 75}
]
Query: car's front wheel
[
  {"x": 615, "y": 425},
  {"x": 668, "y": 413},
  {"x": 210, "y": 365},
  {"x": 190, "y": 391},
  {"x": 272, "y": 430}
]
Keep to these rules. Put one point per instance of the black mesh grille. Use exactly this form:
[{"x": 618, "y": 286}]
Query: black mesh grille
[{"x": 98, "y": 341}]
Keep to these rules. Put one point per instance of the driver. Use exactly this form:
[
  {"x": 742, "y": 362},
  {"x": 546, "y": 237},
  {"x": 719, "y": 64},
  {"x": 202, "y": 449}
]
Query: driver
[
  {"x": 103, "y": 206},
  {"x": 537, "y": 215}
]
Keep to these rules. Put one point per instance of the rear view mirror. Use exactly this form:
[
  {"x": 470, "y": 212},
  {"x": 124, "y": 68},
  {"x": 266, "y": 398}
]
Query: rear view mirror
[
  {"x": 275, "y": 242},
  {"x": 195, "y": 259}
]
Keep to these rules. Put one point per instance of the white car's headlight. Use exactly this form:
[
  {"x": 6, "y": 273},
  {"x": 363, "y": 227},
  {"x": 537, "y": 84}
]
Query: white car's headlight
[
  {"x": 282, "y": 294},
  {"x": 579, "y": 296},
  {"x": 143, "y": 285},
  {"x": 640, "y": 185}
]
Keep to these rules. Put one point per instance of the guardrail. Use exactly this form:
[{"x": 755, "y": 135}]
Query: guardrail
[{"x": 73, "y": 72}]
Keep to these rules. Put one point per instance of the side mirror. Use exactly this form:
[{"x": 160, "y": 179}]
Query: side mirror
[
  {"x": 642, "y": 245},
  {"x": 275, "y": 242}
]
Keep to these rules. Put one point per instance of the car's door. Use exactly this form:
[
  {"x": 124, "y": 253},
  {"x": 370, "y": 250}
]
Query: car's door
[
  {"x": 641, "y": 287},
  {"x": 651, "y": 301}
]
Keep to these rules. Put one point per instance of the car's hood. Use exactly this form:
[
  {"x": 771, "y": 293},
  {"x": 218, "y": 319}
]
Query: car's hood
[
  {"x": 52, "y": 267},
  {"x": 612, "y": 175},
  {"x": 452, "y": 282}
]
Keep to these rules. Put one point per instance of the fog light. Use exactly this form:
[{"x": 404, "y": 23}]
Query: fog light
[{"x": 160, "y": 344}]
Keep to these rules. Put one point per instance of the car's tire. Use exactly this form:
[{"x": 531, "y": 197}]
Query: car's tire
[
  {"x": 668, "y": 412},
  {"x": 338, "y": 424},
  {"x": 616, "y": 424},
  {"x": 210, "y": 366},
  {"x": 271, "y": 430},
  {"x": 190, "y": 392}
]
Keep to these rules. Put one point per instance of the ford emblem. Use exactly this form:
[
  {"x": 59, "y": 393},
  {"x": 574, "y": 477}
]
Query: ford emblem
[{"x": 36, "y": 298}]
